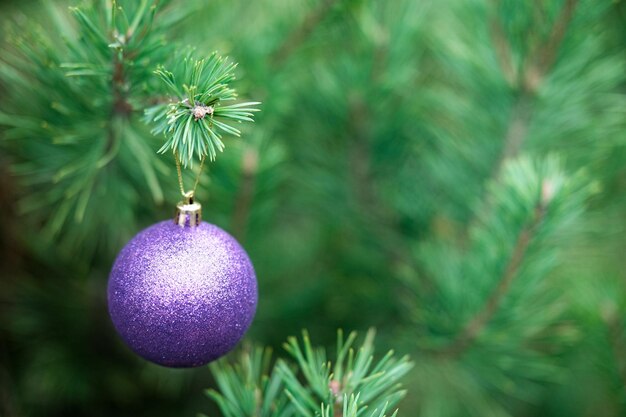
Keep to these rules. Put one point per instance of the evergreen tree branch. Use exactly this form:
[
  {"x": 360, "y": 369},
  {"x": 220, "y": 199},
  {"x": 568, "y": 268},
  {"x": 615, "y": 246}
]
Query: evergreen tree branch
[
  {"x": 532, "y": 201},
  {"x": 73, "y": 102},
  {"x": 196, "y": 117},
  {"x": 473, "y": 328},
  {"x": 349, "y": 386},
  {"x": 532, "y": 75},
  {"x": 516, "y": 130},
  {"x": 352, "y": 373},
  {"x": 543, "y": 58},
  {"x": 121, "y": 107},
  {"x": 495, "y": 313},
  {"x": 537, "y": 66}
]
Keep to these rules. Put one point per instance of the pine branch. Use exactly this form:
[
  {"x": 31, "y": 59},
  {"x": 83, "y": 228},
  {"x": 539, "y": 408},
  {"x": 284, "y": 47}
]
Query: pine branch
[
  {"x": 351, "y": 373},
  {"x": 349, "y": 386},
  {"x": 191, "y": 122},
  {"x": 530, "y": 204},
  {"x": 533, "y": 73},
  {"x": 121, "y": 108},
  {"x": 493, "y": 325},
  {"x": 543, "y": 58},
  {"x": 537, "y": 66},
  {"x": 473, "y": 328},
  {"x": 516, "y": 130},
  {"x": 69, "y": 102}
]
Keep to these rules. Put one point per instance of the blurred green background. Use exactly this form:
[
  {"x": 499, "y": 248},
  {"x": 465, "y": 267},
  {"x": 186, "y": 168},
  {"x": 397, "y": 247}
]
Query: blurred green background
[{"x": 385, "y": 127}]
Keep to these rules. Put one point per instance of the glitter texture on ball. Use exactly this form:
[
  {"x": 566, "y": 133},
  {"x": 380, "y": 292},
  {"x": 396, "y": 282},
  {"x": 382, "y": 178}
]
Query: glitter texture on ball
[{"x": 182, "y": 296}]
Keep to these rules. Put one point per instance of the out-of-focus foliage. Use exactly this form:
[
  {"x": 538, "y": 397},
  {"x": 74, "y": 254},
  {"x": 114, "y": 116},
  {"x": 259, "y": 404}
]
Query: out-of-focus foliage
[{"x": 452, "y": 173}]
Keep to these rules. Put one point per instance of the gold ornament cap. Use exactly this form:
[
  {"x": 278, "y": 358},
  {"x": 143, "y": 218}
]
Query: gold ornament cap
[{"x": 188, "y": 212}]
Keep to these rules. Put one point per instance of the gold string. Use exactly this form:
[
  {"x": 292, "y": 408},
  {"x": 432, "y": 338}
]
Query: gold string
[
  {"x": 195, "y": 184},
  {"x": 180, "y": 176}
]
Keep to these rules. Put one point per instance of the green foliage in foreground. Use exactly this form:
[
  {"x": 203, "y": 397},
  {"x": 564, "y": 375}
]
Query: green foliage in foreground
[{"x": 350, "y": 385}]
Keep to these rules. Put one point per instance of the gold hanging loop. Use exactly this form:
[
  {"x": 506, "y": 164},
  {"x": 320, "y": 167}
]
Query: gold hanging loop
[
  {"x": 188, "y": 211},
  {"x": 179, "y": 171}
]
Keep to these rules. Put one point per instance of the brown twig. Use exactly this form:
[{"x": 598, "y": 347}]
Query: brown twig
[
  {"x": 470, "y": 332},
  {"x": 544, "y": 57},
  {"x": 120, "y": 107},
  {"x": 302, "y": 32},
  {"x": 516, "y": 131},
  {"x": 538, "y": 65}
]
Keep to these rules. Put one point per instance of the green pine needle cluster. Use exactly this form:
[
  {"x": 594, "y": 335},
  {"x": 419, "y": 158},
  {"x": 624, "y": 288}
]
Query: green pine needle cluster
[
  {"x": 191, "y": 123},
  {"x": 350, "y": 385}
]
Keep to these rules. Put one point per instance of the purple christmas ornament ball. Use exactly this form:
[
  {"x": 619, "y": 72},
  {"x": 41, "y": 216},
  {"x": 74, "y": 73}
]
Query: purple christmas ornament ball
[{"x": 182, "y": 296}]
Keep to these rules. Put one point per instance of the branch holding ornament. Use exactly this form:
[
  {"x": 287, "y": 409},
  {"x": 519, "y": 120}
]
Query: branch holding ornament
[
  {"x": 182, "y": 293},
  {"x": 194, "y": 120}
]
